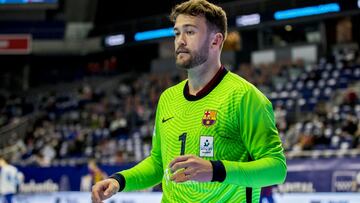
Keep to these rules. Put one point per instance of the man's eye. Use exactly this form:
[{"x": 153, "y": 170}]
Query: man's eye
[{"x": 190, "y": 32}]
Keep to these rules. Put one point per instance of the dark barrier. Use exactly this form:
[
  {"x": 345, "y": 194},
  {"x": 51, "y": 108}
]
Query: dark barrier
[
  {"x": 322, "y": 175},
  {"x": 61, "y": 178}
]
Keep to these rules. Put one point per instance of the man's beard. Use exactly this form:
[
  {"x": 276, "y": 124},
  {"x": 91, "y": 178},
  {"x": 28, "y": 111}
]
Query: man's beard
[{"x": 196, "y": 57}]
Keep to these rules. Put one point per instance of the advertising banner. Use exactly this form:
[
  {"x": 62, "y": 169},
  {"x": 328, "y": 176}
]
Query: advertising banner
[{"x": 304, "y": 176}]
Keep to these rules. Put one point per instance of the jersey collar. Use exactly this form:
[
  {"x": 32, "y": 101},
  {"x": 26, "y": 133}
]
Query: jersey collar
[{"x": 208, "y": 87}]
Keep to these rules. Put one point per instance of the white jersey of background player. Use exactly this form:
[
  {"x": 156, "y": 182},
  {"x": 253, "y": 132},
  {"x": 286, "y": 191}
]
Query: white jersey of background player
[{"x": 10, "y": 178}]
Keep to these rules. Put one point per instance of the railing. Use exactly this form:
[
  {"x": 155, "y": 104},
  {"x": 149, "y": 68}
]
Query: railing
[
  {"x": 11, "y": 132},
  {"x": 325, "y": 153}
]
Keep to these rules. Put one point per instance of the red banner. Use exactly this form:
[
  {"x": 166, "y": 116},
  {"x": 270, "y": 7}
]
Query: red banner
[{"x": 15, "y": 44}]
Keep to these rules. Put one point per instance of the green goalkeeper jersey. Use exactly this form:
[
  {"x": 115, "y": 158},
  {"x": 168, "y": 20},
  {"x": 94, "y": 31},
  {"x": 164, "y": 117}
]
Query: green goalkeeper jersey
[{"x": 229, "y": 121}]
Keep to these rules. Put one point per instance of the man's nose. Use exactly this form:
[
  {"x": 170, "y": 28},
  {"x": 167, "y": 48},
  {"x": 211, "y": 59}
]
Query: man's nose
[{"x": 181, "y": 40}]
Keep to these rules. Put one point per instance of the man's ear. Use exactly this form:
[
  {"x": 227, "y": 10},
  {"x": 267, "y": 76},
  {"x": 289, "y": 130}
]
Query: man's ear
[{"x": 217, "y": 39}]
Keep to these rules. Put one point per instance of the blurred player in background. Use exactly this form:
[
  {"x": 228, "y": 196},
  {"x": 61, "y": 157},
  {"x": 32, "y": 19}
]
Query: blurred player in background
[
  {"x": 96, "y": 173},
  {"x": 266, "y": 195},
  {"x": 215, "y": 138},
  {"x": 10, "y": 179}
]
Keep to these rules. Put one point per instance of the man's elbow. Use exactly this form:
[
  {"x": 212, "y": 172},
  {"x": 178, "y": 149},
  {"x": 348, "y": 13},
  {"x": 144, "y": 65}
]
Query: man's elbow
[{"x": 282, "y": 173}]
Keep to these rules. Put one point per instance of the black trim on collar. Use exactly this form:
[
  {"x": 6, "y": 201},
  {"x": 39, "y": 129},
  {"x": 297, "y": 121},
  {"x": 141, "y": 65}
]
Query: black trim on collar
[{"x": 208, "y": 87}]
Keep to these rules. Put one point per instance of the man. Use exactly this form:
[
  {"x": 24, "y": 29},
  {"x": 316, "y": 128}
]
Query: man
[
  {"x": 10, "y": 179},
  {"x": 95, "y": 172},
  {"x": 215, "y": 138},
  {"x": 95, "y": 175}
]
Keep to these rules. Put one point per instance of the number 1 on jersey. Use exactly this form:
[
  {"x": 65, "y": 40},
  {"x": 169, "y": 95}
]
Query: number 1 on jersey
[{"x": 182, "y": 138}]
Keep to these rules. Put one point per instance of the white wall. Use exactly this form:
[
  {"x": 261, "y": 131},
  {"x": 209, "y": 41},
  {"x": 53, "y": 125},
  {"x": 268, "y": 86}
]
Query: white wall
[{"x": 155, "y": 197}]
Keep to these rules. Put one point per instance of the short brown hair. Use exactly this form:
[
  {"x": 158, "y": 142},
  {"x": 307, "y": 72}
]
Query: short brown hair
[
  {"x": 215, "y": 16},
  {"x": 2, "y": 157}
]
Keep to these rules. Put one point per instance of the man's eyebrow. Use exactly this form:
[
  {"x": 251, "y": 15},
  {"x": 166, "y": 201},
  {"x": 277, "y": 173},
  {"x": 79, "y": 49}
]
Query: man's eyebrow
[{"x": 185, "y": 26}]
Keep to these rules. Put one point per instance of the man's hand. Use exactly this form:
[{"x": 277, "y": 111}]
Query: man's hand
[
  {"x": 190, "y": 167},
  {"x": 104, "y": 189}
]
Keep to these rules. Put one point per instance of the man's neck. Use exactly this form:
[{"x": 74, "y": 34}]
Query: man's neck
[{"x": 200, "y": 76}]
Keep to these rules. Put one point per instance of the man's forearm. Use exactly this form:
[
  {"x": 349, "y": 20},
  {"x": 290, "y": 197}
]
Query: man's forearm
[
  {"x": 144, "y": 175},
  {"x": 263, "y": 172}
]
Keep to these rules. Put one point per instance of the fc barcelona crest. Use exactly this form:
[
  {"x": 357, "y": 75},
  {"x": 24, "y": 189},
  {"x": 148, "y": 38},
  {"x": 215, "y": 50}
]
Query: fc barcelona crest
[{"x": 209, "y": 118}]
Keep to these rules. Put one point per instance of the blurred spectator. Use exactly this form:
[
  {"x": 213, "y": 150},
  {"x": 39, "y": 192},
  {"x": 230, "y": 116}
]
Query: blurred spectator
[
  {"x": 118, "y": 158},
  {"x": 350, "y": 98}
]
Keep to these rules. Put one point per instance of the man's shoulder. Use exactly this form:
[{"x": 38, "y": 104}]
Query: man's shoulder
[
  {"x": 174, "y": 90},
  {"x": 9, "y": 168},
  {"x": 244, "y": 87},
  {"x": 237, "y": 82}
]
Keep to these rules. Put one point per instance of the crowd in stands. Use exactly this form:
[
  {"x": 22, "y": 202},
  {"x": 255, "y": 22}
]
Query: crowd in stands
[
  {"x": 12, "y": 108},
  {"x": 317, "y": 106}
]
